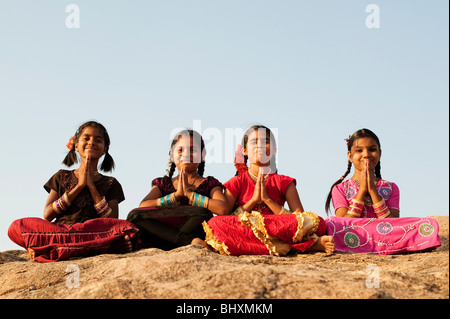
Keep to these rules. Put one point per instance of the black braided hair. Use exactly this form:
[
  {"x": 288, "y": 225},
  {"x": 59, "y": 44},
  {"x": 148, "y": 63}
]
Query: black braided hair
[
  {"x": 358, "y": 134},
  {"x": 71, "y": 157},
  {"x": 197, "y": 137},
  {"x": 340, "y": 180},
  {"x": 172, "y": 169}
]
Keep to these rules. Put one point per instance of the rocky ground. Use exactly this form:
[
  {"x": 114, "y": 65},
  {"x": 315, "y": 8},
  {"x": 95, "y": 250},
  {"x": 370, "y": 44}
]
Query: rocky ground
[{"x": 192, "y": 272}]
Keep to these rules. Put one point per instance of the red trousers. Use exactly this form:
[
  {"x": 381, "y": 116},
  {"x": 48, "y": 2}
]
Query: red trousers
[{"x": 47, "y": 241}]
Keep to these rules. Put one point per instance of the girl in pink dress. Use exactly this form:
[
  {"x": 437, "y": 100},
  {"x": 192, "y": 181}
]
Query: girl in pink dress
[
  {"x": 257, "y": 196},
  {"x": 82, "y": 208},
  {"x": 367, "y": 207}
]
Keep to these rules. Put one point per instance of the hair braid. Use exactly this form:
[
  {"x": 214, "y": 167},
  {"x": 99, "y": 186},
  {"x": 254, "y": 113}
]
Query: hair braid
[
  {"x": 201, "y": 169},
  {"x": 378, "y": 170},
  {"x": 172, "y": 169},
  {"x": 340, "y": 180}
]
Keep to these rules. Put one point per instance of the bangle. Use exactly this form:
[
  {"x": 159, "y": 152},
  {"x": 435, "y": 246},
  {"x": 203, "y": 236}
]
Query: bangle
[
  {"x": 168, "y": 200},
  {"x": 65, "y": 197},
  {"x": 61, "y": 204},
  {"x": 102, "y": 208},
  {"x": 199, "y": 200},
  {"x": 101, "y": 205},
  {"x": 284, "y": 211},
  {"x": 238, "y": 211},
  {"x": 381, "y": 209},
  {"x": 107, "y": 213},
  {"x": 356, "y": 208}
]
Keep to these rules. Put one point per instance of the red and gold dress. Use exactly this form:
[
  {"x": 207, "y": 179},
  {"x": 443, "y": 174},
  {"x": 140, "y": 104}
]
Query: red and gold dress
[{"x": 261, "y": 232}]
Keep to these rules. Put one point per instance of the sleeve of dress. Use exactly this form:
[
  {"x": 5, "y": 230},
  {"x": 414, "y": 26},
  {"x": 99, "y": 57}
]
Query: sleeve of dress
[
  {"x": 394, "y": 200},
  {"x": 338, "y": 197},
  {"x": 115, "y": 192},
  {"x": 214, "y": 182},
  {"x": 286, "y": 180},
  {"x": 157, "y": 182},
  {"x": 53, "y": 183},
  {"x": 234, "y": 186}
]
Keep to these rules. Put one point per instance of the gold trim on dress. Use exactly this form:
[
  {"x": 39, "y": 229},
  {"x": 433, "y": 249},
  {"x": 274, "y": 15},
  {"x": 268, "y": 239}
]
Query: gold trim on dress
[
  {"x": 255, "y": 221},
  {"x": 213, "y": 242},
  {"x": 308, "y": 223}
]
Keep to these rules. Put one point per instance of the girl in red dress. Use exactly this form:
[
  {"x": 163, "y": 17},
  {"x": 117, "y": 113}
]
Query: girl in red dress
[
  {"x": 83, "y": 203},
  {"x": 257, "y": 195}
]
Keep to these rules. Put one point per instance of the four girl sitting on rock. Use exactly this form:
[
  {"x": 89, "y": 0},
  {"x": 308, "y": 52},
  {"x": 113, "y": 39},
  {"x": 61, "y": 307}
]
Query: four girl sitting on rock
[{"x": 244, "y": 216}]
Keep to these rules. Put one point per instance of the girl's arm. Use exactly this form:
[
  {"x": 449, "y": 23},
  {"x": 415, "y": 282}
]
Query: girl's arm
[
  {"x": 114, "y": 205},
  {"x": 49, "y": 212},
  {"x": 342, "y": 212},
  {"x": 218, "y": 203},
  {"x": 394, "y": 213},
  {"x": 293, "y": 199},
  {"x": 230, "y": 200},
  {"x": 151, "y": 200}
]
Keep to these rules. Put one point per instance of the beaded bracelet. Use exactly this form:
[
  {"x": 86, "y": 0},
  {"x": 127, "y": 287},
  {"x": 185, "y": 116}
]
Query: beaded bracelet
[
  {"x": 356, "y": 208},
  {"x": 61, "y": 204},
  {"x": 199, "y": 200},
  {"x": 381, "y": 209}
]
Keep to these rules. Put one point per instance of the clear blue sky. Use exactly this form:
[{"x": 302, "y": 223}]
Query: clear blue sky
[{"x": 310, "y": 69}]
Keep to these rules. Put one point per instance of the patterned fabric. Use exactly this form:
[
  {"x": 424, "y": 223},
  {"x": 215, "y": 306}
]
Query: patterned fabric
[
  {"x": 344, "y": 192},
  {"x": 47, "y": 241},
  {"x": 82, "y": 207},
  {"x": 383, "y": 236},
  {"x": 263, "y": 234}
]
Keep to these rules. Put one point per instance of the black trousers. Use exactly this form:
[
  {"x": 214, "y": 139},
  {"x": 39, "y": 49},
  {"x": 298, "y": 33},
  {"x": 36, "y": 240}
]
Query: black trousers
[{"x": 169, "y": 227}]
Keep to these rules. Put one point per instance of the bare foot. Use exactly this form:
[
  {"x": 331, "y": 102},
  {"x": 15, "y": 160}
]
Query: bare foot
[
  {"x": 121, "y": 246},
  {"x": 199, "y": 242},
  {"x": 324, "y": 243},
  {"x": 328, "y": 243}
]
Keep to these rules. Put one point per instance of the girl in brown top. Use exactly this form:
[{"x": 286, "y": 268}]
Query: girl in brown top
[{"x": 82, "y": 209}]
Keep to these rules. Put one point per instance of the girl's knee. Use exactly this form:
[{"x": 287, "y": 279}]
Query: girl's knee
[{"x": 15, "y": 232}]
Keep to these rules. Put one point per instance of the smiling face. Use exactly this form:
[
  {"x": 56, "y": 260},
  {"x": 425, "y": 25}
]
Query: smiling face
[
  {"x": 91, "y": 143},
  {"x": 259, "y": 147},
  {"x": 186, "y": 153},
  {"x": 364, "y": 149}
]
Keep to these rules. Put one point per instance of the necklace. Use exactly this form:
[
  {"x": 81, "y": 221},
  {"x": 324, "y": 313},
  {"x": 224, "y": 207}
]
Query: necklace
[
  {"x": 357, "y": 182},
  {"x": 191, "y": 185},
  {"x": 255, "y": 178}
]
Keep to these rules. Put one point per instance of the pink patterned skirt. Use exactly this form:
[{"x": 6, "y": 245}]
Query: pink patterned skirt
[
  {"x": 383, "y": 236},
  {"x": 46, "y": 241}
]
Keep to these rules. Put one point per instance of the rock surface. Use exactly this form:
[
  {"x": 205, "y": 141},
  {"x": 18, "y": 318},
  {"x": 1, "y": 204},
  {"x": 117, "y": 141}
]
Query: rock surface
[{"x": 192, "y": 272}]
